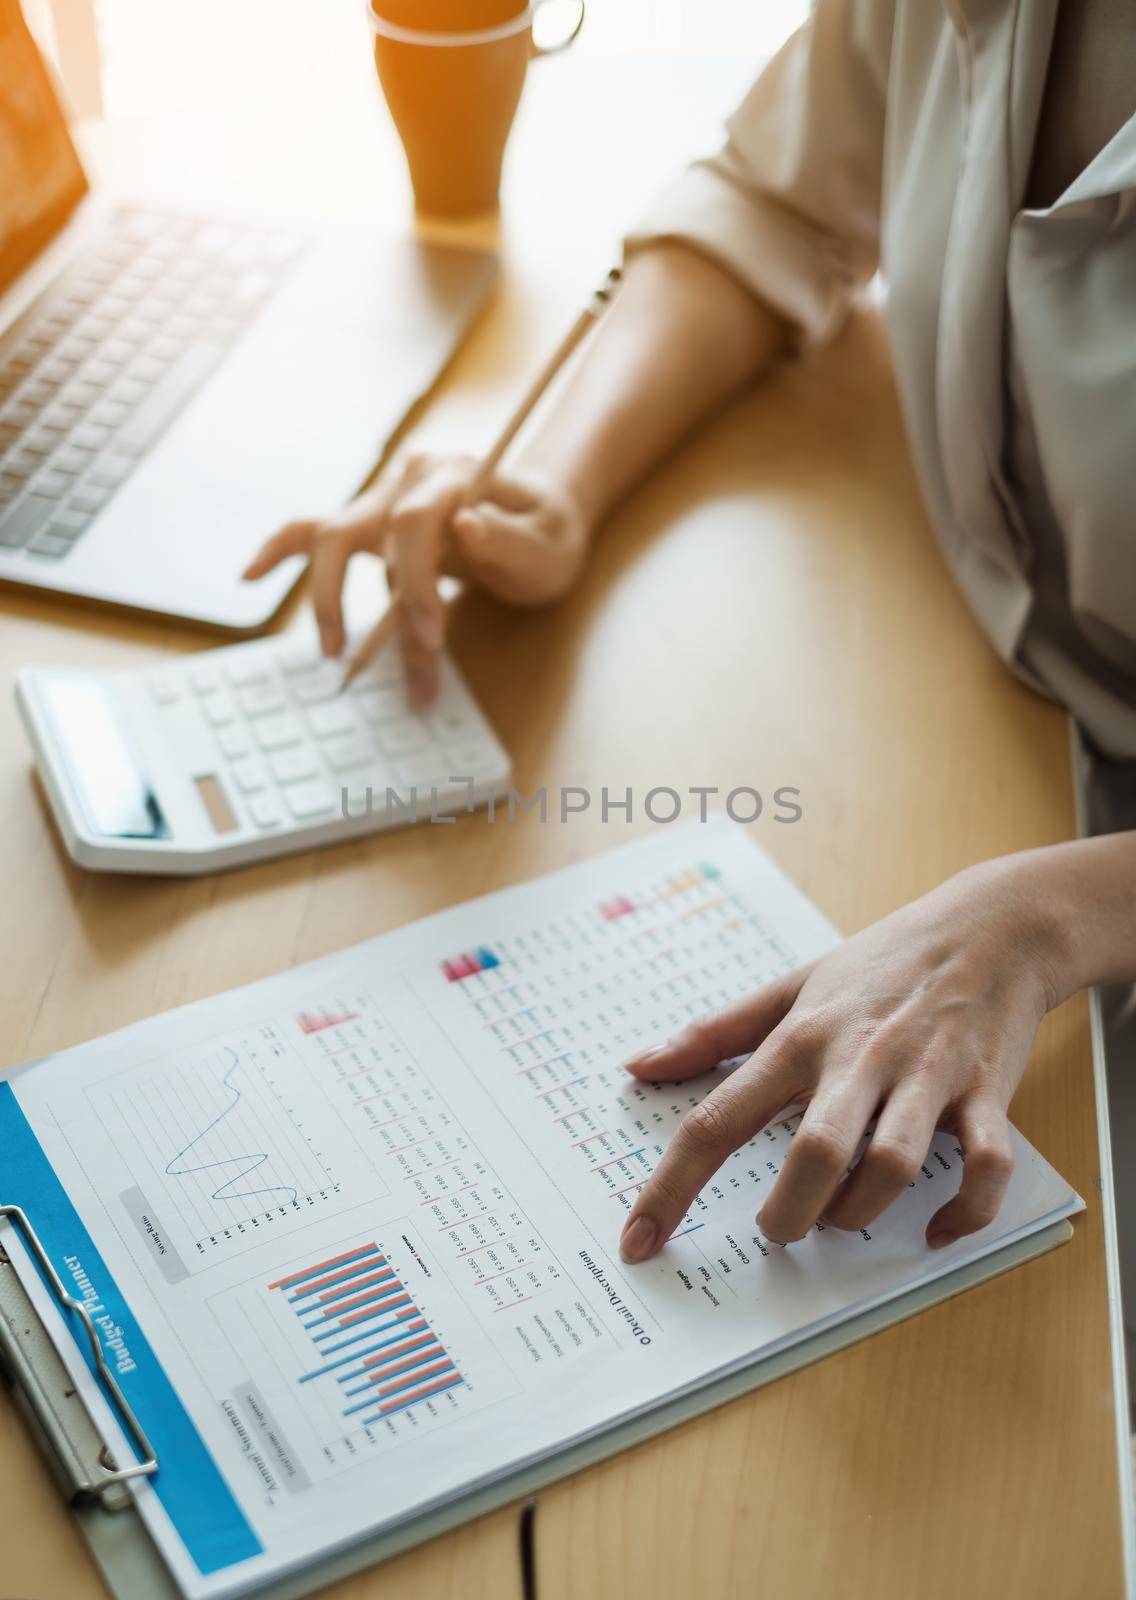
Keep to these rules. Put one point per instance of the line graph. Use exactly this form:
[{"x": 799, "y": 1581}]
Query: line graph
[
  {"x": 246, "y": 1163},
  {"x": 227, "y": 1143}
]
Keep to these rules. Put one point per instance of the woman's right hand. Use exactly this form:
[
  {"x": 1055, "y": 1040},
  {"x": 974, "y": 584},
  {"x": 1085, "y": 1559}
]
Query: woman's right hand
[{"x": 523, "y": 539}]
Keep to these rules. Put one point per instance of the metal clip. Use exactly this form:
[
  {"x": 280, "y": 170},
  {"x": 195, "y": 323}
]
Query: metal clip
[{"x": 113, "y": 1474}]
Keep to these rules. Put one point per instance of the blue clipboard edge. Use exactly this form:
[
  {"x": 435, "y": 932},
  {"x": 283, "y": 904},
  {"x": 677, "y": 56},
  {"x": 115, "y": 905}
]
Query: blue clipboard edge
[{"x": 134, "y": 1570}]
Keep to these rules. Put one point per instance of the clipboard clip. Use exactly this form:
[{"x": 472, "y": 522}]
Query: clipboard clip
[{"x": 109, "y": 1474}]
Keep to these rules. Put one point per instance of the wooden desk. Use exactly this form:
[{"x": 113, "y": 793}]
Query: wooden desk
[{"x": 771, "y": 609}]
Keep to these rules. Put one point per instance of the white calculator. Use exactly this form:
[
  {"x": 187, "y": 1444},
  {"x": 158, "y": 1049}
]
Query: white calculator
[{"x": 234, "y": 755}]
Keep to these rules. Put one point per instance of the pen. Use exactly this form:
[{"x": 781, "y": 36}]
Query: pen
[{"x": 388, "y": 622}]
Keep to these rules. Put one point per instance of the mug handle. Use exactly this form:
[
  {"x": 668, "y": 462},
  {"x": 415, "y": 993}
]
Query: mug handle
[{"x": 536, "y": 50}]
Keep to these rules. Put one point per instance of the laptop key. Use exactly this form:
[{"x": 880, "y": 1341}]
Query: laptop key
[
  {"x": 23, "y": 520},
  {"x": 111, "y": 471},
  {"x": 158, "y": 410},
  {"x": 67, "y": 525},
  {"x": 49, "y": 547},
  {"x": 109, "y": 414},
  {"x": 88, "y": 501},
  {"x": 53, "y": 484}
]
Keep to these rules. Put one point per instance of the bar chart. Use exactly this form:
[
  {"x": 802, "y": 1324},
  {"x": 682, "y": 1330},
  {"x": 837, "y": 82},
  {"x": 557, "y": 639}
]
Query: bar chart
[
  {"x": 469, "y": 962},
  {"x": 367, "y": 1336}
]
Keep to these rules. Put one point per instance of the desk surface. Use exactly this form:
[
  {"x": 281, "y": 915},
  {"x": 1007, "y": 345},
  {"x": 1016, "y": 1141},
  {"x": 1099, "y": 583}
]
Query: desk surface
[{"x": 770, "y": 610}]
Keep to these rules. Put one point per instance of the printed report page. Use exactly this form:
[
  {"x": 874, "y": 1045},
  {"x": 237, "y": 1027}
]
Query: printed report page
[{"x": 349, "y": 1237}]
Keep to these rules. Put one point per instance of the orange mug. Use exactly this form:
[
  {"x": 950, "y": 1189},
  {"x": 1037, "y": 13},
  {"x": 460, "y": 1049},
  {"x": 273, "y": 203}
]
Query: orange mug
[{"x": 453, "y": 91}]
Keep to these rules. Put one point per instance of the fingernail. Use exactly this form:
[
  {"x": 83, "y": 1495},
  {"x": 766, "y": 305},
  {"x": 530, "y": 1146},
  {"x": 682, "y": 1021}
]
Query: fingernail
[
  {"x": 644, "y": 1055},
  {"x": 941, "y": 1238},
  {"x": 764, "y": 1231},
  {"x": 638, "y": 1239}
]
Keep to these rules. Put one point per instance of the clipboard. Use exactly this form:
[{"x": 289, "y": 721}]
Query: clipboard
[{"x": 97, "y": 1487}]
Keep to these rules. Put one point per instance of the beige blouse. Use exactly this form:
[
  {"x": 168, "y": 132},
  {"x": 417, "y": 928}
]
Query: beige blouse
[{"x": 901, "y": 134}]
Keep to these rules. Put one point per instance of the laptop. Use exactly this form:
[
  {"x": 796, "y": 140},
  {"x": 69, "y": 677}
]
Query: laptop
[{"x": 174, "y": 387}]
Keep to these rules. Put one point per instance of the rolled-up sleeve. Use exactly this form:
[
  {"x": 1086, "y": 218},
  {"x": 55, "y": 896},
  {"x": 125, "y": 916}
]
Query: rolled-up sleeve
[{"x": 791, "y": 204}]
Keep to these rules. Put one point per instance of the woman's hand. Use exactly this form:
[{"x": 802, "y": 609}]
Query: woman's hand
[
  {"x": 523, "y": 539},
  {"x": 922, "y": 1021}
]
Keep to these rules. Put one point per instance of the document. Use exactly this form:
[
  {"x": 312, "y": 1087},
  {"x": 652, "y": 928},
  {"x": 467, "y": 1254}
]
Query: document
[{"x": 350, "y": 1235}]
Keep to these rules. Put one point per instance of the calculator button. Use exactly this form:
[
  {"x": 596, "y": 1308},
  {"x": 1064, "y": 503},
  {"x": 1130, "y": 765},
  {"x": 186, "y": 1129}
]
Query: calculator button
[
  {"x": 165, "y": 688},
  {"x": 275, "y": 733},
  {"x": 401, "y": 736},
  {"x": 333, "y": 718},
  {"x": 249, "y": 775},
  {"x": 470, "y": 758},
  {"x": 387, "y": 668},
  {"x": 264, "y": 810},
  {"x": 251, "y": 668},
  {"x": 218, "y": 708},
  {"x": 375, "y": 705},
  {"x": 299, "y": 658},
  {"x": 233, "y": 741},
  {"x": 422, "y": 770},
  {"x": 289, "y": 766},
  {"x": 314, "y": 799},
  {"x": 259, "y": 699},
  {"x": 319, "y": 683},
  {"x": 448, "y": 723},
  {"x": 347, "y": 751},
  {"x": 204, "y": 679}
]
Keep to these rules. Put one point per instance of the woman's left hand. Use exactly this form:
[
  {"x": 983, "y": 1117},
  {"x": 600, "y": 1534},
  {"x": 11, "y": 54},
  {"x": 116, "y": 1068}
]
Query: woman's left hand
[{"x": 922, "y": 1021}]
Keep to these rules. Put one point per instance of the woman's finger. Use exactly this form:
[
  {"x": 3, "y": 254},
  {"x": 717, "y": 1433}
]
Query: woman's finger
[
  {"x": 895, "y": 1154},
  {"x": 329, "y": 567},
  {"x": 988, "y": 1161},
  {"x": 419, "y": 523},
  {"x": 732, "y": 1031},
  {"x": 819, "y": 1156},
  {"x": 294, "y": 539},
  {"x": 728, "y": 1118}
]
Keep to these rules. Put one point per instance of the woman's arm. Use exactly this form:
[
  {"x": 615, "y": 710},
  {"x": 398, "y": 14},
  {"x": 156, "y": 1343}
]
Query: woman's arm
[
  {"x": 680, "y": 338},
  {"x": 922, "y": 1021}
]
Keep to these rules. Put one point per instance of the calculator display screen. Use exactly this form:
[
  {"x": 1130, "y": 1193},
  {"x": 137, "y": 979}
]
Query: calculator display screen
[{"x": 116, "y": 797}]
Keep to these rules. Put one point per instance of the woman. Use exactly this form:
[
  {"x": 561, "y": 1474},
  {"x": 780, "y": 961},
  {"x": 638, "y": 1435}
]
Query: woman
[{"x": 983, "y": 154}]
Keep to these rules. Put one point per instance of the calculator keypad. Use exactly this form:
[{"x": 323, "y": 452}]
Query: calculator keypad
[{"x": 289, "y": 746}]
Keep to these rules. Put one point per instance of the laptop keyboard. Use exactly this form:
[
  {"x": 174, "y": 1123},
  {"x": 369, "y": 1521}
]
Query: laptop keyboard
[{"x": 103, "y": 363}]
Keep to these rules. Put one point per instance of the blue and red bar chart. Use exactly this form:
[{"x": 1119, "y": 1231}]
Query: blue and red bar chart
[
  {"x": 368, "y": 1337},
  {"x": 469, "y": 962}
]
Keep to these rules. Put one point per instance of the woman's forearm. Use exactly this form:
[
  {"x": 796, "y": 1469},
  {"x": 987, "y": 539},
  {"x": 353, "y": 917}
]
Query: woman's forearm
[
  {"x": 1079, "y": 906},
  {"x": 681, "y": 337}
]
